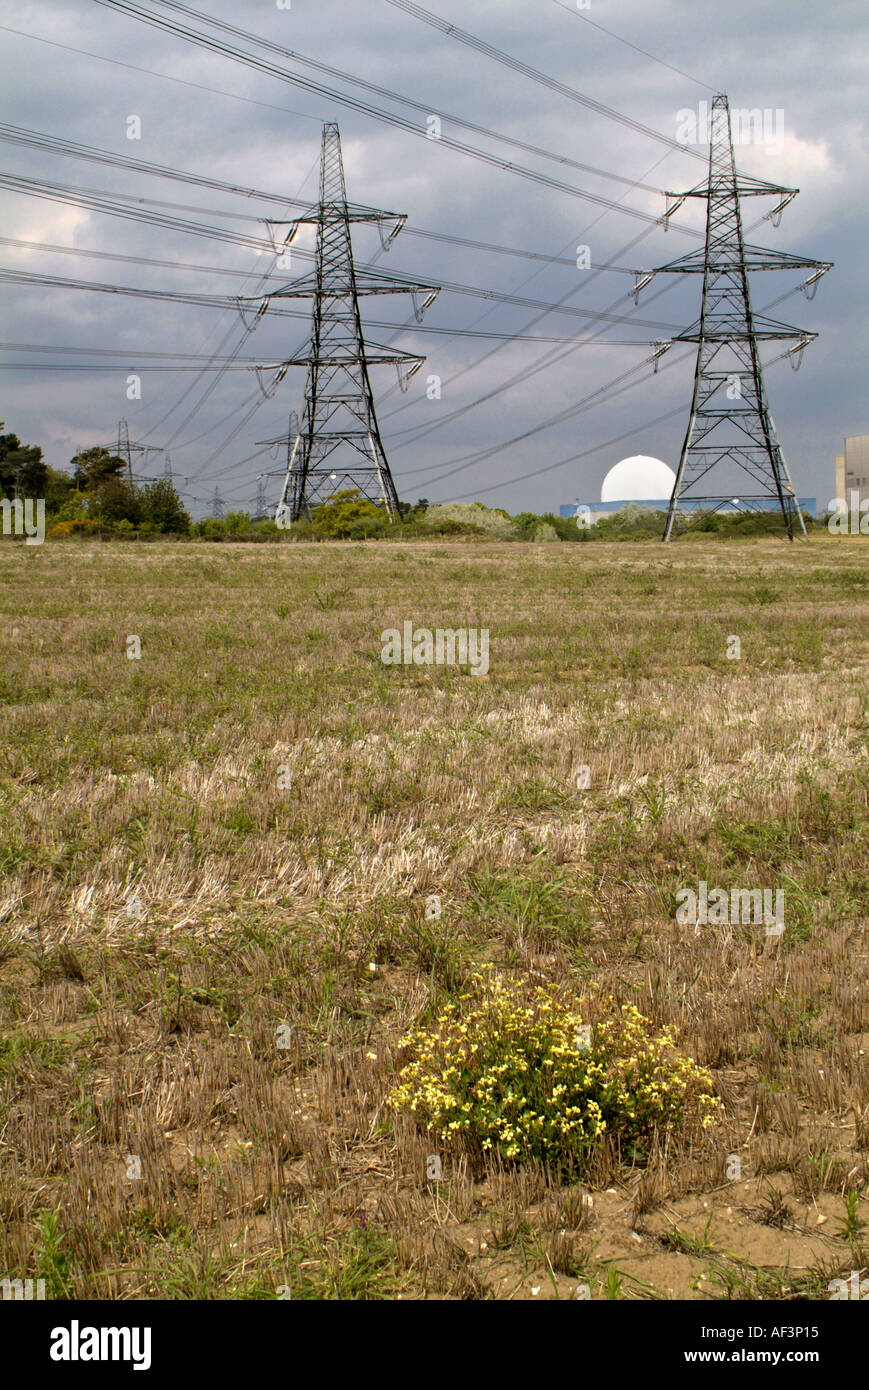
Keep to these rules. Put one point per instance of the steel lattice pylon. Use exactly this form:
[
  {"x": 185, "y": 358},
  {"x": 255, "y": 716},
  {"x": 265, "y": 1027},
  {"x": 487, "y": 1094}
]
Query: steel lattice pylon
[
  {"x": 730, "y": 416},
  {"x": 126, "y": 448},
  {"x": 338, "y": 444}
]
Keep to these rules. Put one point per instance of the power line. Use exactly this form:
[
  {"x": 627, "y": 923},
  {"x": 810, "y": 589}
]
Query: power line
[
  {"x": 482, "y": 46},
  {"x": 55, "y": 145},
  {"x": 419, "y": 132},
  {"x": 134, "y": 199},
  {"x": 641, "y": 236},
  {"x": 179, "y": 81},
  {"x": 70, "y": 149},
  {"x": 101, "y": 367},
  {"x": 242, "y": 302},
  {"x": 389, "y": 93},
  {"x": 576, "y": 14},
  {"x": 218, "y": 424},
  {"x": 549, "y": 358},
  {"x": 629, "y": 246},
  {"x": 366, "y": 108},
  {"x": 112, "y": 352},
  {"x": 559, "y": 307},
  {"x": 135, "y": 260},
  {"x": 103, "y": 202},
  {"x": 477, "y": 292},
  {"x": 538, "y": 318},
  {"x": 164, "y": 76},
  {"x": 493, "y": 249},
  {"x": 610, "y": 389},
  {"x": 248, "y": 329},
  {"x": 603, "y": 391},
  {"x": 103, "y": 156},
  {"x": 126, "y": 206},
  {"x": 574, "y": 458},
  {"x": 209, "y": 301},
  {"x": 220, "y": 302},
  {"x": 87, "y": 253}
]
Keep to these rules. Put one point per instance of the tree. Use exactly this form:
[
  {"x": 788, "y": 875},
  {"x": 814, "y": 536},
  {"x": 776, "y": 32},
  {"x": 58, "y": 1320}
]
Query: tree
[
  {"x": 92, "y": 467},
  {"x": 114, "y": 499},
  {"x": 58, "y": 490},
  {"x": 22, "y": 468},
  {"x": 163, "y": 508}
]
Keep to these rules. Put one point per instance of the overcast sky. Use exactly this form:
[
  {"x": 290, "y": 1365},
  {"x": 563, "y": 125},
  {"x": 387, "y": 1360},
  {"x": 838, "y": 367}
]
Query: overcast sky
[{"x": 206, "y": 114}]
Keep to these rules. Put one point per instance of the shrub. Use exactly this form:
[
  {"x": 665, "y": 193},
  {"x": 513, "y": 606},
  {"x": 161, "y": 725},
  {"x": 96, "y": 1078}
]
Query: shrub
[
  {"x": 368, "y": 528},
  {"x": 527, "y": 526},
  {"x": 77, "y": 526},
  {"x": 211, "y": 529},
  {"x": 74, "y": 508},
  {"x": 517, "y": 1071},
  {"x": 631, "y": 522},
  {"x": 235, "y": 523},
  {"x": 349, "y": 515},
  {"x": 445, "y": 526},
  {"x": 493, "y": 522}
]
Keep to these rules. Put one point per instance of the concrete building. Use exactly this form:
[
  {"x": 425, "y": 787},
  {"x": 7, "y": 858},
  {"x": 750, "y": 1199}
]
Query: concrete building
[
  {"x": 648, "y": 482},
  {"x": 852, "y": 469}
]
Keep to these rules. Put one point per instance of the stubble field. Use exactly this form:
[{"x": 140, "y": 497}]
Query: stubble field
[{"x": 218, "y": 863}]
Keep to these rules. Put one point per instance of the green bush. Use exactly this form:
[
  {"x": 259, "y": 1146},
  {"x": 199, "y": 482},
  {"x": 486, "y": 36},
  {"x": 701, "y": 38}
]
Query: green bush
[
  {"x": 348, "y": 515},
  {"x": 493, "y": 522},
  {"x": 211, "y": 529},
  {"x": 631, "y": 523},
  {"x": 445, "y": 526}
]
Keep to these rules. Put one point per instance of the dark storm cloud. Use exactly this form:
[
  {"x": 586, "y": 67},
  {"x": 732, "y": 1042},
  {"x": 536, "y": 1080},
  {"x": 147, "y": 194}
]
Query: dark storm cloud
[{"x": 788, "y": 57}]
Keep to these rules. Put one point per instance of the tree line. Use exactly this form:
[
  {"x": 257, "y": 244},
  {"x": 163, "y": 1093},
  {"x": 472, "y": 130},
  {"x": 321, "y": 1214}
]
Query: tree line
[{"x": 94, "y": 496}]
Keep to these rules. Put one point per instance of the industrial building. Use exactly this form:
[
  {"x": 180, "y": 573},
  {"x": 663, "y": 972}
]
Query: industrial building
[
  {"x": 852, "y": 469},
  {"x": 643, "y": 481}
]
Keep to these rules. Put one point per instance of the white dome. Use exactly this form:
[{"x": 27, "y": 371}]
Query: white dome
[{"x": 638, "y": 479}]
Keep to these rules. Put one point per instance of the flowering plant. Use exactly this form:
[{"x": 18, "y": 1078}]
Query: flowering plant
[{"x": 518, "y": 1071}]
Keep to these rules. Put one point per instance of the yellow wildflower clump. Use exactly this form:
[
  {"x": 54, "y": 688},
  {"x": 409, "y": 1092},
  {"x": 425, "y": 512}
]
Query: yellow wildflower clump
[{"x": 517, "y": 1070}]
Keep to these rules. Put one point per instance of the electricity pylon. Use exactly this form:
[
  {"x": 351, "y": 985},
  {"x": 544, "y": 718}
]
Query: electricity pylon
[
  {"x": 337, "y": 444},
  {"x": 730, "y": 416},
  {"x": 126, "y": 449}
]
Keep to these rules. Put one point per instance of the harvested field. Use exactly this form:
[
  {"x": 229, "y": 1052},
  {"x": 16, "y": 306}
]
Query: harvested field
[{"x": 218, "y": 863}]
